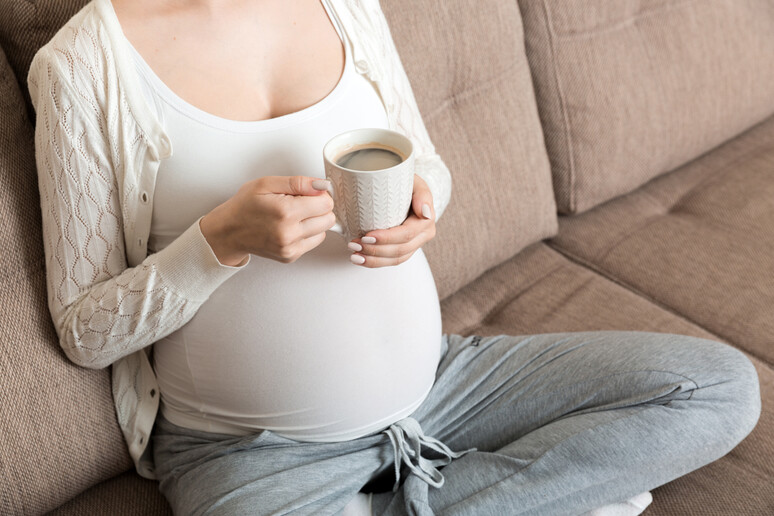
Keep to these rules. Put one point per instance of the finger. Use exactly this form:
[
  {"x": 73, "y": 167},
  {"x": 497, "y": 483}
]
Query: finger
[
  {"x": 304, "y": 207},
  {"x": 422, "y": 199},
  {"x": 406, "y": 232},
  {"x": 310, "y": 243},
  {"x": 373, "y": 262},
  {"x": 291, "y": 185},
  {"x": 314, "y": 225},
  {"x": 306, "y": 245},
  {"x": 393, "y": 250}
]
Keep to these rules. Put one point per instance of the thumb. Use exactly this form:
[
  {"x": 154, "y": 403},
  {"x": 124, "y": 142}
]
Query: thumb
[
  {"x": 422, "y": 200},
  {"x": 292, "y": 185}
]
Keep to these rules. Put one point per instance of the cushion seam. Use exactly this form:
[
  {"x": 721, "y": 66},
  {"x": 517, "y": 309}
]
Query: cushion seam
[
  {"x": 617, "y": 25},
  {"x": 572, "y": 201},
  {"x": 594, "y": 268}
]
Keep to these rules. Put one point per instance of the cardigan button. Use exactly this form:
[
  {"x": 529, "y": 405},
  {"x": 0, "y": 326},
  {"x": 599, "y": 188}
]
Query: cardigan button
[
  {"x": 361, "y": 66},
  {"x": 166, "y": 146}
]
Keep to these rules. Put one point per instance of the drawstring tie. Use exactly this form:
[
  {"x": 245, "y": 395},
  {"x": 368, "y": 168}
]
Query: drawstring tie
[{"x": 407, "y": 440}]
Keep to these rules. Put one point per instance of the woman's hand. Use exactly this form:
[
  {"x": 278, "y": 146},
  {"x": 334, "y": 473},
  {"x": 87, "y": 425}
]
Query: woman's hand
[
  {"x": 276, "y": 217},
  {"x": 383, "y": 247}
]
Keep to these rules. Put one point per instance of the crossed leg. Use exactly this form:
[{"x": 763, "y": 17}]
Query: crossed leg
[{"x": 564, "y": 423}]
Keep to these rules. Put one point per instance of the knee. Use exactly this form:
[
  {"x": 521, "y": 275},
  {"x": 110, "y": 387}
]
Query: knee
[
  {"x": 733, "y": 380},
  {"x": 745, "y": 388}
]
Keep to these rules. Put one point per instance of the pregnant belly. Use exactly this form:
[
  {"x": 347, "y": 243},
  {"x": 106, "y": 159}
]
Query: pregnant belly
[{"x": 317, "y": 350}]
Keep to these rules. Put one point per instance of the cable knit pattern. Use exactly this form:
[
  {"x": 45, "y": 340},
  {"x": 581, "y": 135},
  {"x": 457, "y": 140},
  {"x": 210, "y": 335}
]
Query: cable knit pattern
[{"x": 98, "y": 146}]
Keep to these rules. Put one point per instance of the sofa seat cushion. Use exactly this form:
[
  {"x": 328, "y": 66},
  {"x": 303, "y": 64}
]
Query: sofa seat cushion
[
  {"x": 631, "y": 89},
  {"x": 472, "y": 83},
  {"x": 125, "y": 495},
  {"x": 542, "y": 291},
  {"x": 698, "y": 241}
]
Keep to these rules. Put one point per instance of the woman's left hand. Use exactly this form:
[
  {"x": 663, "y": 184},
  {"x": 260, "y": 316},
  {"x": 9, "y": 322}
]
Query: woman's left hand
[{"x": 383, "y": 247}]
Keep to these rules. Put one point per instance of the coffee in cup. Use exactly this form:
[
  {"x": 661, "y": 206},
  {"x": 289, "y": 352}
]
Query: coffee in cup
[{"x": 369, "y": 157}]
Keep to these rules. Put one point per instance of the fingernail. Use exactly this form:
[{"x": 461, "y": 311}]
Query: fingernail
[
  {"x": 368, "y": 240},
  {"x": 357, "y": 259},
  {"x": 355, "y": 246},
  {"x": 426, "y": 211},
  {"x": 320, "y": 184}
]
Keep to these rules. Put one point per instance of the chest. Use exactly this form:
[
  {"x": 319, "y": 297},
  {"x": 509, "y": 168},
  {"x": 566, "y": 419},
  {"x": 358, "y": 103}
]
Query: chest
[{"x": 272, "y": 59}]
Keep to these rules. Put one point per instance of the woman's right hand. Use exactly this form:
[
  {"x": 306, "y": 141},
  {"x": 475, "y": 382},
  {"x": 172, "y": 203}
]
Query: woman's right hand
[{"x": 276, "y": 217}]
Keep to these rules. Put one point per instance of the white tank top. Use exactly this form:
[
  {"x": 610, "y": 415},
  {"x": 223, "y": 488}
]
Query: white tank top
[{"x": 316, "y": 350}]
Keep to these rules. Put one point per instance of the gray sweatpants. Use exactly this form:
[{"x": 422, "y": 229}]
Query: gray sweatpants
[{"x": 561, "y": 424}]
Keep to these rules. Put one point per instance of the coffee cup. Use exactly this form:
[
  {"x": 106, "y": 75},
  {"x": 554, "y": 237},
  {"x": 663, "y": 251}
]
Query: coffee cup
[{"x": 371, "y": 179}]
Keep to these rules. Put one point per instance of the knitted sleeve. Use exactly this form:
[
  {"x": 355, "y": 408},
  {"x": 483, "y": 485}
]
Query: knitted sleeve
[{"x": 102, "y": 309}]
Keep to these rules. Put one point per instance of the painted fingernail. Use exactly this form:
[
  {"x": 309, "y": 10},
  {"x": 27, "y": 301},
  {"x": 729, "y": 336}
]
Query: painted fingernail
[
  {"x": 357, "y": 259},
  {"x": 426, "y": 211},
  {"x": 320, "y": 184},
  {"x": 355, "y": 246},
  {"x": 368, "y": 240}
]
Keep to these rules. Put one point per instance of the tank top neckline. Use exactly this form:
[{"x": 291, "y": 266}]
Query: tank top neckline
[{"x": 174, "y": 101}]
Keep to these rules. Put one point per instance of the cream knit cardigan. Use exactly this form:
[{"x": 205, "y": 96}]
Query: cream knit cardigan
[{"x": 98, "y": 146}]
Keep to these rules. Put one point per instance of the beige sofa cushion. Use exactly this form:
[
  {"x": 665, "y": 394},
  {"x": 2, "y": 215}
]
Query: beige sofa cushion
[
  {"x": 26, "y": 26},
  {"x": 541, "y": 291},
  {"x": 58, "y": 428},
  {"x": 125, "y": 495},
  {"x": 473, "y": 87},
  {"x": 630, "y": 89},
  {"x": 699, "y": 241}
]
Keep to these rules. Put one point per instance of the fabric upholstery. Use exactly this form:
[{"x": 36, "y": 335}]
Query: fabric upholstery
[
  {"x": 47, "y": 403},
  {"x": 25, "y": 26},
  {"x": 630, "y": 89},
  {"x": 125, "y": 495},
  {"x": 502, "y": 185},
  {"x": 699, "y": 241},
  {"x": 541, "y": 291}
]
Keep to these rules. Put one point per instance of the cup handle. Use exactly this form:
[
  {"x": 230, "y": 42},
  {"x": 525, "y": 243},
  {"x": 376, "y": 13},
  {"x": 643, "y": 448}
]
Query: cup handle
[{"x": 337, "y": 227}]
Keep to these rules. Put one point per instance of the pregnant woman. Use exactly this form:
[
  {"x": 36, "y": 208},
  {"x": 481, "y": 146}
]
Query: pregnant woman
[{"x": 262, "y": 365}]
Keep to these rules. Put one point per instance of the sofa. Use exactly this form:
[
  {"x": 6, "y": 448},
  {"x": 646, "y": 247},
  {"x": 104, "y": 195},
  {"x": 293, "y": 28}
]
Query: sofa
[{"x": 613, "y": 166}]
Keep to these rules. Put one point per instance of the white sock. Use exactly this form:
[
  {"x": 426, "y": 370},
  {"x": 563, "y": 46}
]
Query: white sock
[
  {"x": 360, "y": 505},
  {"x": 631, "y": 507}
]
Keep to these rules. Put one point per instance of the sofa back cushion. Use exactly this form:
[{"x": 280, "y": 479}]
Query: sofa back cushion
[
  {"x": 26, "y": 26},
  {"x": 58, "y": 429},
  {"x": 630, "y": 89},
  {"x": 471, "y": 79}
]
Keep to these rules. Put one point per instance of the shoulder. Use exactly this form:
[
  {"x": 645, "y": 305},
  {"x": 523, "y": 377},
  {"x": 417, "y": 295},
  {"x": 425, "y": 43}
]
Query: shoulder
[{"x": 76, "y": 56}]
